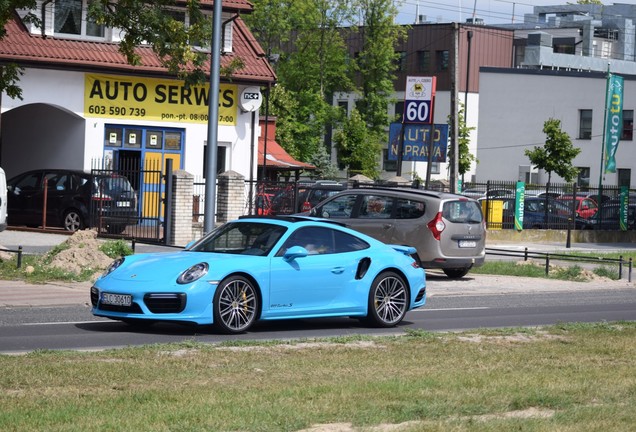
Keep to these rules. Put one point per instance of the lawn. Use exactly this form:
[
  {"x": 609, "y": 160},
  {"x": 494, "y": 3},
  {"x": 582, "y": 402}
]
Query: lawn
[{"x": 579, "y": 377}]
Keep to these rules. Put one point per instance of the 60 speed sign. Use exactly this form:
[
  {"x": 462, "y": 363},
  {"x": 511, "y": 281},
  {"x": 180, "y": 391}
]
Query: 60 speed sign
[{"x": 419, "y": 98}]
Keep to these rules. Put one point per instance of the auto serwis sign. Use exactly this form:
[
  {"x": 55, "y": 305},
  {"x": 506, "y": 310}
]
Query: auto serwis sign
[{"x": 419, "y": 96}]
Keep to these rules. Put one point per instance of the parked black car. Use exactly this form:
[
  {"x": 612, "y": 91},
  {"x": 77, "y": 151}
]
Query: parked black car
[
  {"x": 74, "y": 200},
  {"x": 535, "y": 215},
  {"x": 609, "y": 216}
]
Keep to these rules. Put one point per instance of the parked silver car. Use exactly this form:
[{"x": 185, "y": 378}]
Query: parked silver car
[{"x": 447, "y": 230}]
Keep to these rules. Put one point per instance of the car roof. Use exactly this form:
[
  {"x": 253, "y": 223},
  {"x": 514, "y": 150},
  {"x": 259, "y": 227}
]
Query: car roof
[{"x": 409, "y": 191}]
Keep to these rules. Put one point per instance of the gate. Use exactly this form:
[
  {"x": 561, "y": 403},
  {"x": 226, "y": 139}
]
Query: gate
[{"x": 128, "y": 202}]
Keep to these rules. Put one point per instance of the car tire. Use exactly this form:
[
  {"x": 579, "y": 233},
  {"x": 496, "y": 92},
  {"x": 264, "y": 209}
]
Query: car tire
[
  {"x": 236, "y": 304},
  {"x": 456, "y": 273},
  {"x": 388, "y": 300},
  {"x": 116, "y": 228},
  {"x": 73, "y": 220}
]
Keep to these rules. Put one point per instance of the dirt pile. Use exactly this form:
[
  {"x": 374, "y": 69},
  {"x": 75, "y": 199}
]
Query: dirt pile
[{"x": 80, "y": 252}]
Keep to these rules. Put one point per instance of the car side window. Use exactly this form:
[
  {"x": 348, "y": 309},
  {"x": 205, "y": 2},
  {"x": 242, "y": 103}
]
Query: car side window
[
  {"x": 348, "y": 243},
  {"x": 56, "y": 182},
  {"x": 29, "y": 183},
  {"x": 376, "y": 207},
  {"x": 339, "y": 207},
  {"x": 409, "y": 209},
  {"x": 317, "y": 241}
]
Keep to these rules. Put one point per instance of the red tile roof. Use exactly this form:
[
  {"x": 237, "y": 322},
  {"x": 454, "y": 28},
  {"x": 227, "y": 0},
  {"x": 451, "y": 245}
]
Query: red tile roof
[
  {"x": 277, "y": 157},
  {"x": 26, "y": 49}
]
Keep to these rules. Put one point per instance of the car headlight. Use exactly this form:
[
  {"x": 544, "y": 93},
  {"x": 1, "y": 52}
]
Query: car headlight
[
  {"x": 195, "y": 272},
  {"x": 115, "y": 264}
]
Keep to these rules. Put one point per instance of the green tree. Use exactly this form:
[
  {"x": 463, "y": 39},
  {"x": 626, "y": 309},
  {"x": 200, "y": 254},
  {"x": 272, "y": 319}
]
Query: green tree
[
  {"x": 307, "y": 36},
  {"x": 10, "y": 73},
  {"x": 377, "y": 60},
  {"x": 557, "y": 154},
  {"x": 156, "y": 24},
  {"x": 466, "y": 158},
  {"x": 357, "y": 148}
]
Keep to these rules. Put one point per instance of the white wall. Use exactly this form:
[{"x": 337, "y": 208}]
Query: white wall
[
  {"x": 513, "y": 107},
  {"x": 41, "y": 132}
]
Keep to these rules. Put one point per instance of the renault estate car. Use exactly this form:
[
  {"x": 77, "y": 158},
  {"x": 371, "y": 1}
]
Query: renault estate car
[
  {"x": 447, "y": 230},
  {"x": 74, "y": 200}
]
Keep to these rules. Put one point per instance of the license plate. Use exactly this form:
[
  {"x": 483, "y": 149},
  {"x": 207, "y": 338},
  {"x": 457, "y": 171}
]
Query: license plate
[
  {"x": 467, "y": 243},
  {"x": 116, "y": 299},
  {"x": 123, "y": 203}
]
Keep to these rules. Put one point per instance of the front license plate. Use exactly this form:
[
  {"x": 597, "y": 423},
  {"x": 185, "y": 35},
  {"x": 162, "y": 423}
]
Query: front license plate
[
  {"x": 116, "y": 299},
  {"x": 123, "y": 204},
  {"x": 467, "y": 243}
]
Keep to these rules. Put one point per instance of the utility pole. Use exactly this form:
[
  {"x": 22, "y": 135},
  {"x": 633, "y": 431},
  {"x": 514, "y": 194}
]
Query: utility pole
[{"x": 454, "y": 168}]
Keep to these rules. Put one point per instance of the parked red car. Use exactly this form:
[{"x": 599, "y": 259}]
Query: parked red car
[{"x": 585, "y": 207}]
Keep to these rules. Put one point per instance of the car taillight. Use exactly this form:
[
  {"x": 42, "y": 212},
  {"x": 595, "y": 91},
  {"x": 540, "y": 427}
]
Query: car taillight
[
  {"x": 306, "y": 206},
  {"x": 436, "y": 226},
  {"x": 101, "y": 197}
]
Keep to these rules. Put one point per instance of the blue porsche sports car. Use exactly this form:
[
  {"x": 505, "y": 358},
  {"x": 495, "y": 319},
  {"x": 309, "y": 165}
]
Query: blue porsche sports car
[{"x": 265, "y": 268}]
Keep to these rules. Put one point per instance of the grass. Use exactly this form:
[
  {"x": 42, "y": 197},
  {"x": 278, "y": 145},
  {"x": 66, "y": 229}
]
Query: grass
[
  {"x": 35, "y": 268},
  {"x": 579, "y": 377}
]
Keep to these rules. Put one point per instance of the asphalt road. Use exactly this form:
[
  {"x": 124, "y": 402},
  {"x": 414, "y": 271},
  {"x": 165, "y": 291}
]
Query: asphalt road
[{"x": 24, "y": 329}]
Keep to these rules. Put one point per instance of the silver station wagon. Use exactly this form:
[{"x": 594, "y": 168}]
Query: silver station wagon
[{"x": 447, "y": 230}]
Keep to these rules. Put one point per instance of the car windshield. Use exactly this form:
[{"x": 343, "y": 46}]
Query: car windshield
[
  {"x": 111, "y": 183},
  {"x": 462, "y": 212},
  {"x": 246, "y": 238}
]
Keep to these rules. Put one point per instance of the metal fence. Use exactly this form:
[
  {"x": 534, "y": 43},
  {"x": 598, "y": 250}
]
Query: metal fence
[
  {"x": 129, "y": 202},
  {"x": 552, "y": 206}
]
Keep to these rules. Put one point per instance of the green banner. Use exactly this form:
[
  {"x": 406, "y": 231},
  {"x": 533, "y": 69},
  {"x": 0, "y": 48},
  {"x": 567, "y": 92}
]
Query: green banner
[
  {"x": 624, "y": 207},
  {"x": 613, "y": 119},
  {"x": 520, "y": 197}
]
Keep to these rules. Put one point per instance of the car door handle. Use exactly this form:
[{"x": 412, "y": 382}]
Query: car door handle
[{"x": 337, "y": 270}]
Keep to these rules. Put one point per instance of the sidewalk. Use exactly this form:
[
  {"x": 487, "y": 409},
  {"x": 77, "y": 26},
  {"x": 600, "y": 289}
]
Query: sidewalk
[{"x": 21, "y": 294}]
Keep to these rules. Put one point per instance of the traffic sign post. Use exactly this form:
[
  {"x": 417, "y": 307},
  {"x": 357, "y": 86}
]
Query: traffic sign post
[{"x": 419, "y": 101}]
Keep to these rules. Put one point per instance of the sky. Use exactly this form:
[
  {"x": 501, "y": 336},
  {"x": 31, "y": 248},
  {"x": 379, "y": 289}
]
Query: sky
[{"x": 491, "y": 11}]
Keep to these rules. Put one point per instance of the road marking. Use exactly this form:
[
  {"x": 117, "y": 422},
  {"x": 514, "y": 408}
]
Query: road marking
[
  {"x": 449, "y": 309},
  {"x": 66, "y": 322}
]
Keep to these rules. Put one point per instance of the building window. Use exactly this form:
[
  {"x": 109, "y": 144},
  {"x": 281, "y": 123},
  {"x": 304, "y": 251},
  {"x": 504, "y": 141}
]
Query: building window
[
  {"x": 344, "y": 106},
  {"x": 399, "y": 111},
  {"x": 583, "y": 178},
  {"x": 585, "y": 124},
  {"x": 435, "y": 168},
  {"x": 624, "y": 177},
  {"x": 423, "y": 61},
  {"x": 71, "y": 17},
  {"x": 441, "y": 60},
  {"x": 628, "y": 125},
  {"x": 388, "y": 165},
  {"x": 400, "y": 61}
]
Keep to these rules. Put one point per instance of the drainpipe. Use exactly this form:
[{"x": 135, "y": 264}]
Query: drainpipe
[{"x": 44, "y": 3}]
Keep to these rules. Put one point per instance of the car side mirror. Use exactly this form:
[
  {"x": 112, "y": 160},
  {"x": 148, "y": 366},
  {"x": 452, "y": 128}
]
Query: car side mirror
[{"x": 295, "y": 252}]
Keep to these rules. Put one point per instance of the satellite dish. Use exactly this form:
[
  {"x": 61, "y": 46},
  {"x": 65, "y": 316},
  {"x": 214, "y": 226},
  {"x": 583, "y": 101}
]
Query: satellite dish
[{"x": 251, "y": 99}]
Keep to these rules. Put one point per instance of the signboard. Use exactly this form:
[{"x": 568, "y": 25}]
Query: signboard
[
  {"x": 416, "y": 139},
  {"x": 251, "y": 99},
  {"x": 520, "y": 198},
  {"x": 124, "y": 97},
  {"x": 624, "y": 210},
  {"x": 614, "y": 120},
  {"x": 419, "y": 96}
]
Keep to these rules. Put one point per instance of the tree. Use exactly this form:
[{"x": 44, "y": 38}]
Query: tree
[
  {"x": 306, "y": 35},
  {"x": 156, "y": 24},
  {"x": 557, "y": 153},
  {"x": 376, "y": 61},
  {"x": 466, "y": 158},
  {"x": 356, "y": 147},
  {"x": 10, "y": 73}
]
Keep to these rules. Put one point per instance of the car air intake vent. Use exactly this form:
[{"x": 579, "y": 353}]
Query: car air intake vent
[
  {"x": 165, "y": 302},
  {"x": 420, "y": 295},
  {"x": 134, "y": 308}
]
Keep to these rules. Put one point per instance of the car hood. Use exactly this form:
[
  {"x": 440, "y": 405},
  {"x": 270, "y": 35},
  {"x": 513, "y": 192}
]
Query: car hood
[{"x": 166, "y": 267}]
